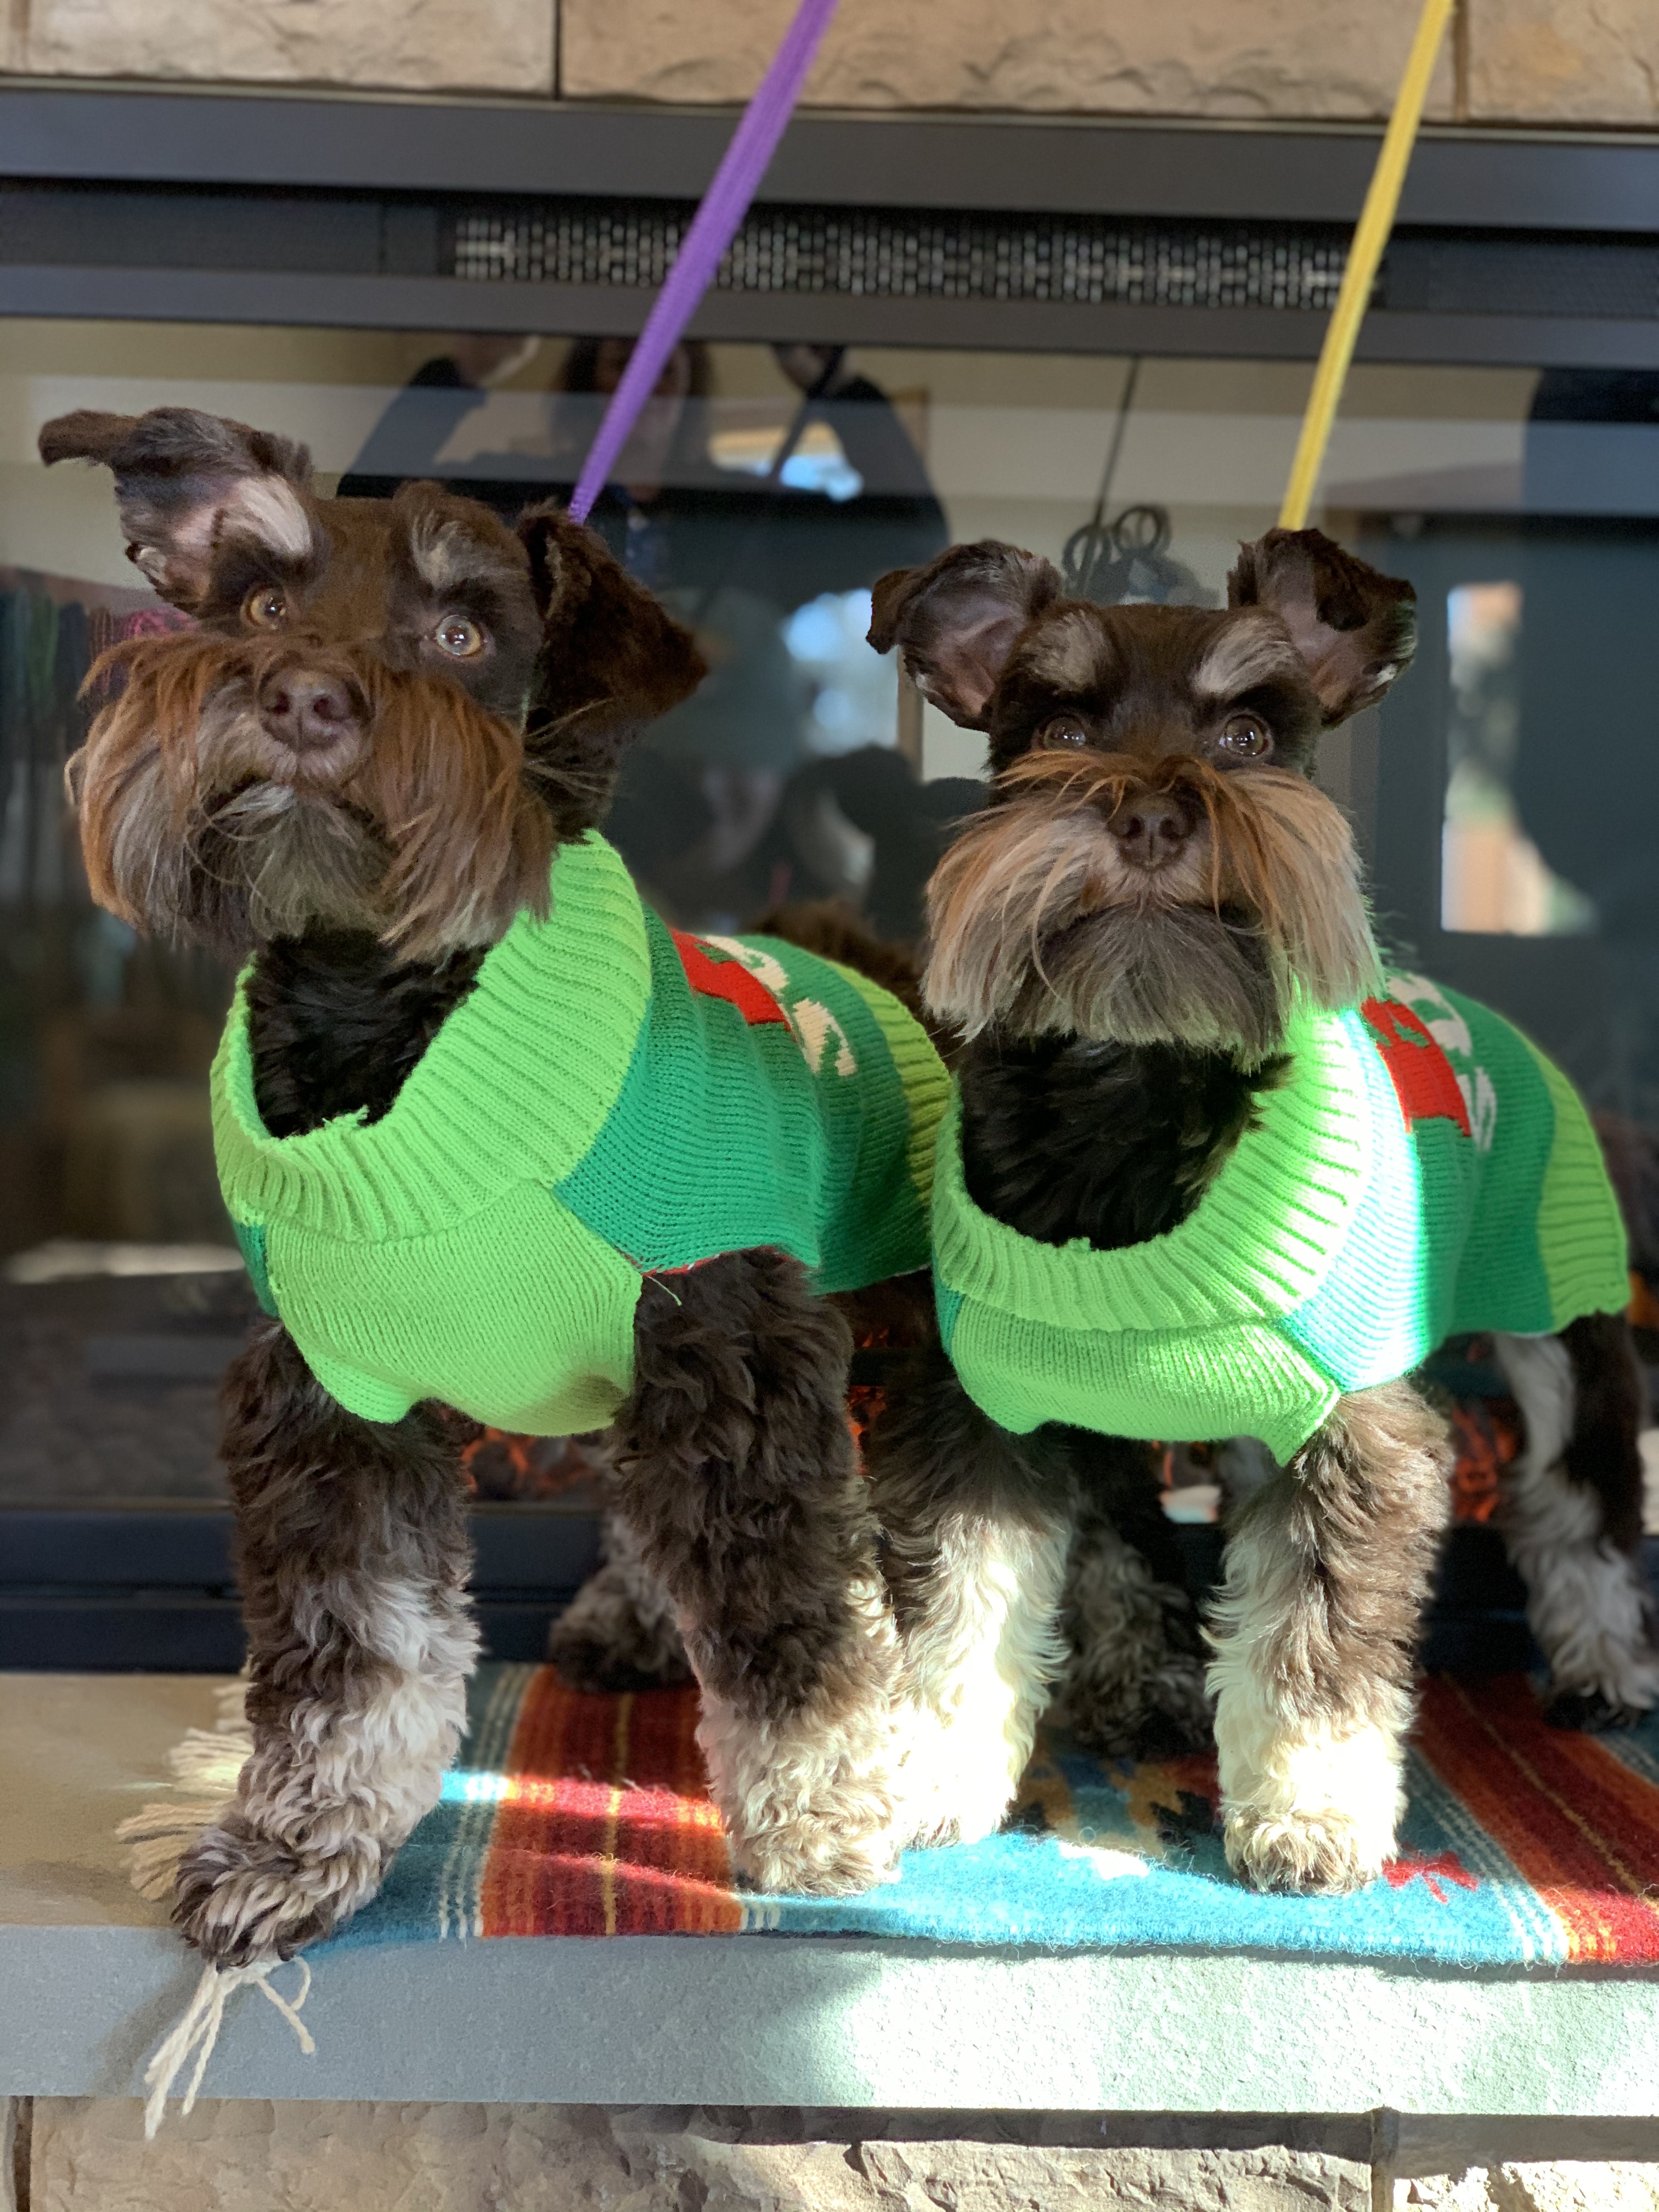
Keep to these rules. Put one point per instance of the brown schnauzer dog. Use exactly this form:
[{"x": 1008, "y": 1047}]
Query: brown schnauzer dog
[
  {"x": 1118, "y": 937},
  {"x": 354, "y": 769}
]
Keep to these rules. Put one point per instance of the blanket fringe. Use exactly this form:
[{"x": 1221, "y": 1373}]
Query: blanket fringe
[
  {"x": 198, "y": 2030},
  {"x": 205, "y": 1767}
]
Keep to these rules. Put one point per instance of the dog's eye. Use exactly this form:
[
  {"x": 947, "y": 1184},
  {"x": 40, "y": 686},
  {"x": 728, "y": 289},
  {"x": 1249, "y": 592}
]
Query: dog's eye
[
  {"x": 1063, "y": 729},
  {"x": 460, "y": 636},
  {"x": 265, "y": 607},
  {"x": 1246, "y": 737}
]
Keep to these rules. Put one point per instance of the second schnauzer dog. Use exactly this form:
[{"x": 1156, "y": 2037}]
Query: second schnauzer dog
[
  {"x": 494, "y": 1139},
  {"x": 1212, "y": 1175}
]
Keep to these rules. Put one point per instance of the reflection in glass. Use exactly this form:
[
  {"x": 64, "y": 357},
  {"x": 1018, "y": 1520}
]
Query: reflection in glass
[
  {"x": 1493, "y": 878},
  {"x": 1504, "y": 792}
]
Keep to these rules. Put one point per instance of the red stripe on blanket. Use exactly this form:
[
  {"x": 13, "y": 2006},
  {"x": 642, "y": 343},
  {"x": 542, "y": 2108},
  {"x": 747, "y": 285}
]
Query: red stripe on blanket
[
  {"x": 604, "y": 1826},
  {"x": 1579, "y": 1826}
]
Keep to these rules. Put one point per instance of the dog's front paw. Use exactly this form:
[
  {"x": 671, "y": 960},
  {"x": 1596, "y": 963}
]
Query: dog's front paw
[
  {"x": 1314, "y": 1853},
  {"x": 813, "y": 1857},
  {"x": 957, "y": 1781},
  {"x": 811, "y": 1802},
  {"x": 240, "y": 1895},
  {"x": 811, "y": 1822},
  {"x": 1306, "y": 1808}
]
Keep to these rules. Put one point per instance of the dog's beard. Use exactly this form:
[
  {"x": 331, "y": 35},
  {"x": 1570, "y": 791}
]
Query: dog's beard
[
  {"x": 286, "y": 860},
  {"x": 1170, "y": 975},
  {"x": 197, "y": 824},
  {"x": 1039, "y": 925}
]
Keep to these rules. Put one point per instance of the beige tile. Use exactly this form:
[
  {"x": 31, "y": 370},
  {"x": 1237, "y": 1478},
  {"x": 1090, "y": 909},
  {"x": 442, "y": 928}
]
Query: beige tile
[
  {"x": 1564, "y": 61},
  {"x": 504, "y": 46},
  {"x": 1208, "y": 58}
]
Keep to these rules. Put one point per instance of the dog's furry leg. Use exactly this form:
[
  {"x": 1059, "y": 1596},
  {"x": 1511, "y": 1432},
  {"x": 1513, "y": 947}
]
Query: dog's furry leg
[
  {"x": 735, "y": 1468},
  {"x": 619, "y": 1632},
  {"x": 1571, "y": 1517},
  {"x": 1329, "y": 1568},
  {"x": 1133, "y": 1684},
  {"x": 976, "y": 1556},
  {"x": 352, "y": 1555}
]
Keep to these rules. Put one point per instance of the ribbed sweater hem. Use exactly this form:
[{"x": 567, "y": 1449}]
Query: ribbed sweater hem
[
  {"x": 1268, "y": 1231},
  {"x": 513, "y": 1089}
]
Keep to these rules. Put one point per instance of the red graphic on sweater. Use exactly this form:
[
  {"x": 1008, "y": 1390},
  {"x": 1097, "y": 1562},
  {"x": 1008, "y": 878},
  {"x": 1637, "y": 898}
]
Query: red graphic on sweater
[
  {"x": 729, "y": 980},
  {"x": 1421, "y": 1073},
  {"x": 1398, "y": 1872}
]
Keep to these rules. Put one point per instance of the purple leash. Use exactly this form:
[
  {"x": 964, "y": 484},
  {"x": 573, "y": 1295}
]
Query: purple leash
[{"x": 712, "y": 228}]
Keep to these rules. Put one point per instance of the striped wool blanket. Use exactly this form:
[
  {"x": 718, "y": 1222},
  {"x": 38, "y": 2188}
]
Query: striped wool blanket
[{"x": 572, "y": 1815}]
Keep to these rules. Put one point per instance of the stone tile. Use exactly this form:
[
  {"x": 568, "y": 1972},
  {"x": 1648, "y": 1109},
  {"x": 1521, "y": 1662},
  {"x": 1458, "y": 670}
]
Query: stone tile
[
  {"x": 1557, "y": 2185},
  {"x": 1564, "y": 61},
  {"x": 1205, "y": 57},
  {"x": 979, "y": 2177},
  {"x": 504, "y": 46},
  {"x": 89, "y": 2155}
]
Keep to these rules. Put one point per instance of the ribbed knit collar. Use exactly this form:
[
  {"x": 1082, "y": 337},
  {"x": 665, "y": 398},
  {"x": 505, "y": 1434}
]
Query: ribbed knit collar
[
  {"x": 1258, "y": 1243},
  {"x": 514, "y": 1088}
]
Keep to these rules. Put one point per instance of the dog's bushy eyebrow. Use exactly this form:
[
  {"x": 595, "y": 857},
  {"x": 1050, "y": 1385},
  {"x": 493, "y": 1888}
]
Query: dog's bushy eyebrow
[
  {"x": 447, "y": 553},
  {"x": 1248, "y": 651},
  {"x": 486, "y": 589},
  {"x": 268, "y": 511},
  {"x": 444, "y": 560},
  {"x": 1069, "y": 650}
]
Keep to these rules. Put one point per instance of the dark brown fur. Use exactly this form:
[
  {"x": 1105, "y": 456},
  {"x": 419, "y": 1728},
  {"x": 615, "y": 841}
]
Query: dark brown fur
[
  {"x": 1121, "y": 935},
  {"x": 1352, "y": 1532},
  {"x": 346, "y": 1532},
  {"x": 735, "y": 1466},
  {"x": 936, "y": 1458},
  {"x": 1603, "y": 1452},
  {"x": 619, "y": 1632},
  {"x": 934, "y": 1455},
  {"x": 356, "y": 768},
  {"x": 429, "y": 823}
]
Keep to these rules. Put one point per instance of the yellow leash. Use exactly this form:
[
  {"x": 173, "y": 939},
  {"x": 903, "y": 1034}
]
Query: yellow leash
[{"x": 1370, "y": 236}]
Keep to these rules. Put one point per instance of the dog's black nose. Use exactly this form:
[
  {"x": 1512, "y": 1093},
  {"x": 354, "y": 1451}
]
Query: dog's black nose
[
  {"x": 305, "y": 711},
  {"x": 1151, "y": 832}
]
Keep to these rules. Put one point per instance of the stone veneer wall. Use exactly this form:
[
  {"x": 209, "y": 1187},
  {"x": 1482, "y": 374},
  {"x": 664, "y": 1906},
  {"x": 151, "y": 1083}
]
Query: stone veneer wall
[
  {"x": 1568, "y": 62},
  {"x": 82, "y": 2154}
]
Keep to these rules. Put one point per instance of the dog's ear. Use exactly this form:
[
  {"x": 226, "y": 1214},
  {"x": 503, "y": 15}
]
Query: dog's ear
[
  {"x": 955, "y": 621},
  {"x": 185, "y": 481},
  {"x": 612, "y": 656},
  {"x": 1355, "y": 628}
]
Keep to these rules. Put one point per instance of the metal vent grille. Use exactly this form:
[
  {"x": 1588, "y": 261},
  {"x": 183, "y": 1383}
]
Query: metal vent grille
[
  {"x": 872, "y": 253},
  {"x": 1616, "y": 279}
]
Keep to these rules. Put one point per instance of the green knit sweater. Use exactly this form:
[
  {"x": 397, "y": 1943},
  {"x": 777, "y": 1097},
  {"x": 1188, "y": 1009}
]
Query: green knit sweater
[
  {"x": 609, "y": 1100},
  {"x": 1425, "y": 1172}
]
